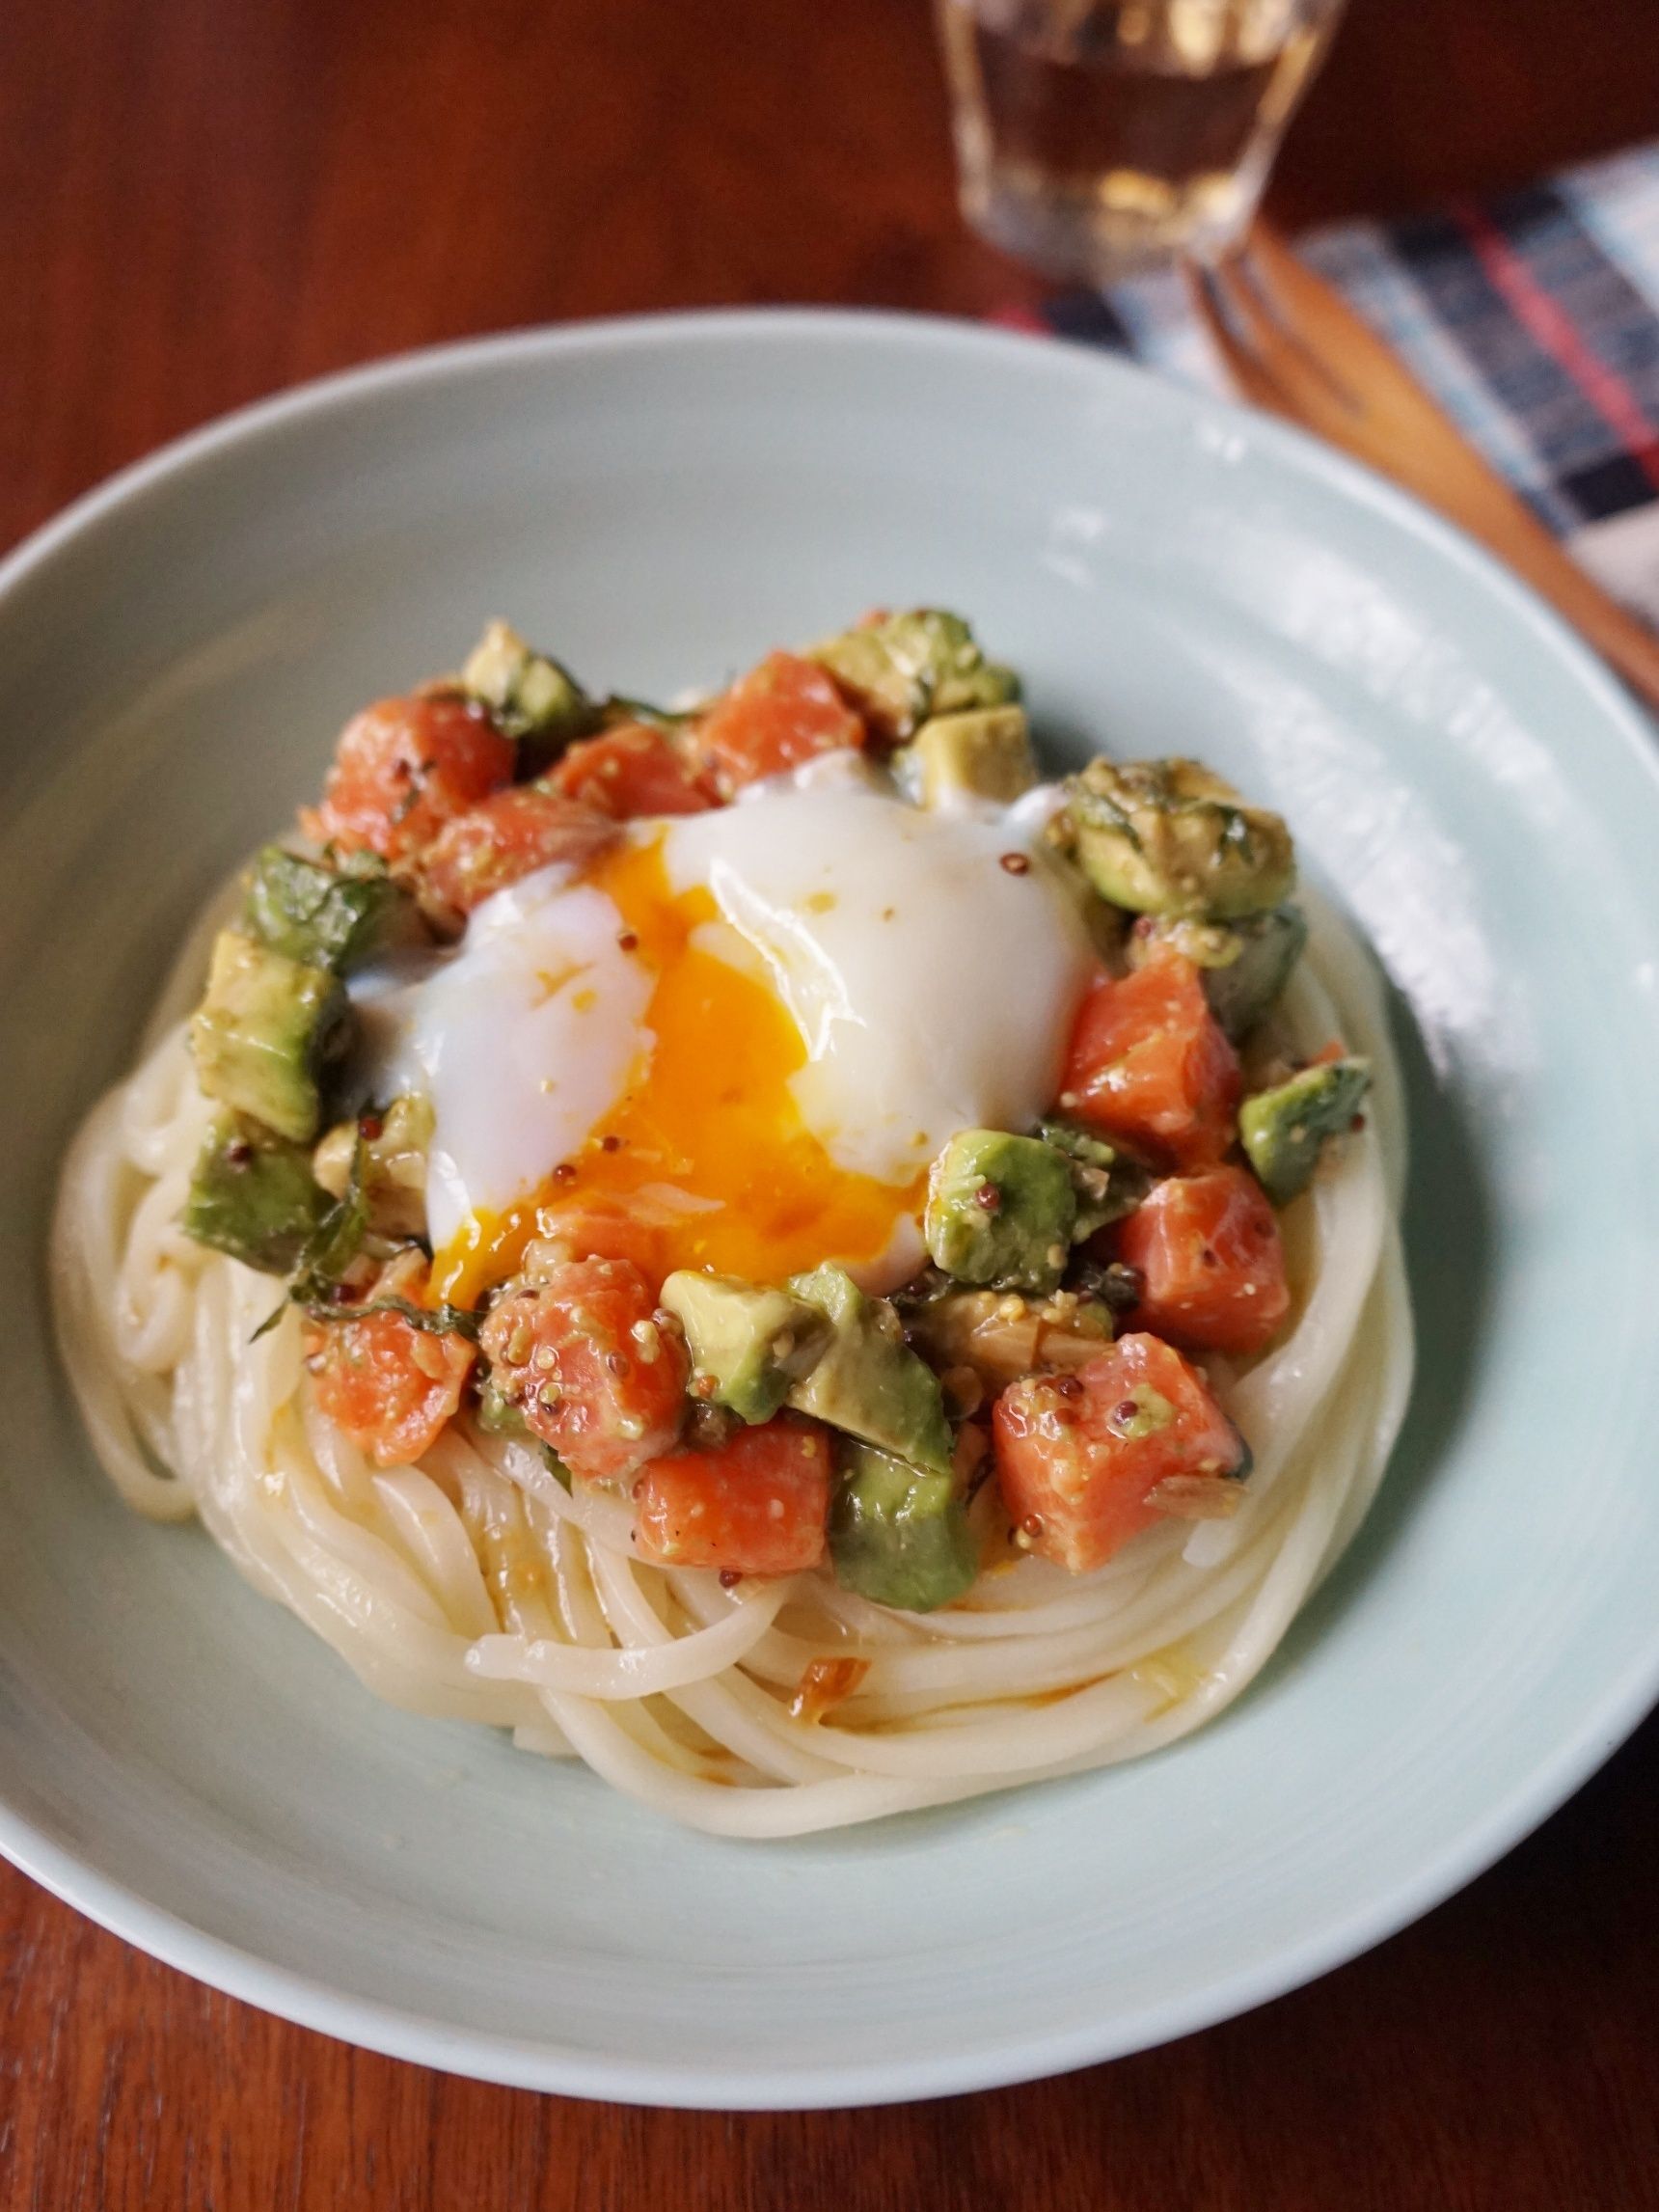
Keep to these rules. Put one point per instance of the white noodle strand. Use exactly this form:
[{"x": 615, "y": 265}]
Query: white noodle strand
[{"x": 474, "y": 1586}]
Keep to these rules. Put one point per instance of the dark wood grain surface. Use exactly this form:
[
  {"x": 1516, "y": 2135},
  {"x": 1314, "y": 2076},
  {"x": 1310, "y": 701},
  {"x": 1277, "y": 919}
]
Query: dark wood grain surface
[{"x": 203, "y": 200}]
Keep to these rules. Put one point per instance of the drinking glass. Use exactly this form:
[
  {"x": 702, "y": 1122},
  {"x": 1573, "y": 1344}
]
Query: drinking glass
[{"x": 1095, "y": 138}]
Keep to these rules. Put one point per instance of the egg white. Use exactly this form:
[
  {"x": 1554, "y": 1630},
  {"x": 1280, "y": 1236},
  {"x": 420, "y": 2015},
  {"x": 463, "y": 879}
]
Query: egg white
[
  {"x": 933, "y": 988},
  {"x": 520, "y": 1041}
]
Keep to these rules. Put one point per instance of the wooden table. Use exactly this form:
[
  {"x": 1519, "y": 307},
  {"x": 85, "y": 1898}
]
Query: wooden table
[{"x": 203, "y": 200}]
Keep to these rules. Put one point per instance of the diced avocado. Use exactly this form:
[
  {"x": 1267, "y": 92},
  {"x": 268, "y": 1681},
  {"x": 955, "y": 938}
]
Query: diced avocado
[
  {"x": 1282, "y": 1129},
  {"x": 747, "y": 1340},
  {"x": 1169, "y": 837},
  {"x": 1243, "y": 992},
  {"x": 499, "y": 1416},
  {"x": 617, "y": 709},
  {"x": 1211, "y": 945},
  {"x": 867, "y": 1381},
  {"x": 265, "y": 1033},
  {"x": 904, "y": 668},
  {"x": 1000, "y": 1210},
  {"x": 325, "y": 918},
  {"x": 498, "y": 1412},
  {"x": 1246, "y": 964},
  {"x": 1246, "y": 990},
  {"x": 253, "y": 1194},
  {"x": 1111, "y": 1286},
  {"x": 898, "y": 1534},
  {"x": 391, "y": 1163},
  {"x": 1106, "y": 1186},
  {"x": 529, "y": 693},
  {"x": 1076, "y": 1142},
  {"x": 983, "y": 753}
]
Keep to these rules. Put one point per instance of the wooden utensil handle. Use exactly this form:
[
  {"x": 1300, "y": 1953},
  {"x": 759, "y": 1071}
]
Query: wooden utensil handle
[
  {"x": 1507, "y": 527},
  {"x": 1618, "y": 635}
]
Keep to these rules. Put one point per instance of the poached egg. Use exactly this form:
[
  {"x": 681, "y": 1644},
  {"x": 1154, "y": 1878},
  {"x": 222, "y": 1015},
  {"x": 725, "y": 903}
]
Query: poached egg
[{"x": 737, "y": 1040}]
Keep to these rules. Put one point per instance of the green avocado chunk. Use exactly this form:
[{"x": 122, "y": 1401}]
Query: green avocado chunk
[
  {"x": 529, "y": 693},
  {"x": 251, "y": 1194},
  {"x": 1169, "y": 837},
  {"x": 1246, "y": 990},
  {"x": 616, "y": 710},
  {"x": 982, "y": 754},
  {"x": 1000, "y": 1210},
  {"x": 747, "y": 1340},
  {"x": 1245, "y": 964},
  {"x": 898, "y": 1534},
  {"x": 1282, "y": 1129},
  {"x": 391, "y": 1165},
  {"x": 906, "y": 666},
  {"x": 265, "y": 1032},
  {"x": 325, "y": 918},
  {"x": 499, "y": 1416},
  {"x": 1086, "y": 1146},
  {"x": 1106, "y": 1186},
  {"x": 867, "y": 1381}
]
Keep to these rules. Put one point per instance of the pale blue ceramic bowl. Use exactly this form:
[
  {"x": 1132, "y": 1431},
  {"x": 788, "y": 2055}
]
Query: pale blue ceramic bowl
[{"x": 661, "y": 501}]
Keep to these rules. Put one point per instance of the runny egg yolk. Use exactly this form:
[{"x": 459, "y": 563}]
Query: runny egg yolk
[{"x": 704, "y": 1160}]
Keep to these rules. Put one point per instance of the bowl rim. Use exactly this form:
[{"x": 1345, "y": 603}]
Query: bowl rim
[{"x": 1604, "y": 1722}]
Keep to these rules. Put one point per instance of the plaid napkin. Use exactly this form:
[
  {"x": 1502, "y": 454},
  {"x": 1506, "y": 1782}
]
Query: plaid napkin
[{"x": 1532, "y": 318}]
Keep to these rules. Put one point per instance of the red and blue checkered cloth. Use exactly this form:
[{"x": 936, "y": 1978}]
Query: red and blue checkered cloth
[{"x": 1532, "y": 316}]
